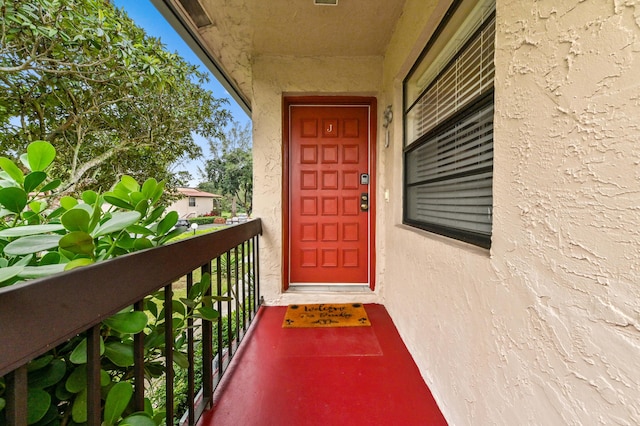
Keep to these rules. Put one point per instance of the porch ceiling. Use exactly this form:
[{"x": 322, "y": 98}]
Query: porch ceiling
[{"x": 232, "y": 32}]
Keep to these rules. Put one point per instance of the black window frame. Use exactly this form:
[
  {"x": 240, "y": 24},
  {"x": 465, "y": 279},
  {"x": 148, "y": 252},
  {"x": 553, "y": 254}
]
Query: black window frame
[{"x": 473, "y": 106}]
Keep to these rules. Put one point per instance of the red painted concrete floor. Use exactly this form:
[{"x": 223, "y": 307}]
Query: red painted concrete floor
[{"x": 349, "y": 376}]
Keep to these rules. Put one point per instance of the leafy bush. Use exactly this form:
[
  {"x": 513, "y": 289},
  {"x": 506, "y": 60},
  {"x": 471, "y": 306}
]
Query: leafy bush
[
  {"x": 40, "y": 236},
  {"x": 202, "y": 220}
]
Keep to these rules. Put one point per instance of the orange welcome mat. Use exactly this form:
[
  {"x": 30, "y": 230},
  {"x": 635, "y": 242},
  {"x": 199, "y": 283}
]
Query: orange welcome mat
[{"x": 326, "y": 315}]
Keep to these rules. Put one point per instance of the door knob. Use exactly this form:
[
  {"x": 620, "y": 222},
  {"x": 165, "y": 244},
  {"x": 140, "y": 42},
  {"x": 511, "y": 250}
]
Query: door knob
[{"x": 364, "y": 202}]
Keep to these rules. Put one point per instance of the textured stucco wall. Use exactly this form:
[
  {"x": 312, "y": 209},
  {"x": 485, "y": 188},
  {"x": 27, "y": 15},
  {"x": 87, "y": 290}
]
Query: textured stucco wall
[
  {"x": 203, "y": 205},
  {"x": 545, "y": 327},
  {"x": 274, "y": 77}
]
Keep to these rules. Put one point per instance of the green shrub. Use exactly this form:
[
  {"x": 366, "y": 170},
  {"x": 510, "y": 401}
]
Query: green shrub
[
  {"x": 38, "y": 239},
  {"x": 202, "y": 220}
]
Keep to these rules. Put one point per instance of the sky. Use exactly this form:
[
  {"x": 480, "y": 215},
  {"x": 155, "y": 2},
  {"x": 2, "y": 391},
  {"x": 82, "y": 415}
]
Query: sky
[{"x": 145, "y": 15}]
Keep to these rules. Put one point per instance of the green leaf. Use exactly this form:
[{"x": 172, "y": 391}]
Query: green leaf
[
  {"x": 151, "y": 306},
  {"x": 142, "y": 244},
  {"x": 79, "y": 353},
  {"x": 174, "y": 233},
  {"x": 77, "y": 263},
  {"x": 127, "y": 322},
  {"x": 56, "y": 213},
  {"x": 23, "y": 231},
  {"x": 12, "y": 170},
  {"x": 168, "y": 222},
  {"x": 49, "y": 417},
  {"x": 37, "y": 206},
  {"x": 149, "y": 187},
  {"x": 31, "y": 272},
  {"x": 76, "y": 220},
  {"x": 32, "y": 244},
  {"x": 205, "y": 282},
  {"x": 139, "y": 230},
  {"x": 125, "y": 241},
  {"x": 137, "y": 420},
  {"x": 62, "y": 393},
  {"x": 40, "y": 155},
  {"x": 90, "y": 197},
  {"x": 121, "y": 354},
  {"x": 130, "y": 183},
  {"x": 38, "y": 402},
  {"x": 13, "y": 199},
  {"x": 208, "y": 313},
  {"x": 178, "y": 308},
  {"x": 116, "y": 201},
  {"x": 33, "y": 180},
  {"x": 78, "y": 242},
  {"x": 137, "y": 197},
  {"x": 48, "y": 376},
  {"x": 195, "y": 291},
  {"x": 188, "y": 302},
  {"x": 155, "y": 214},
  {"x": 105, "y": 378},
  {"x": 24, "y": 261},
  {"x": 10, "y": 272},
  {"x": 39, "y": 363},
  {"x": 79, "y": 409},
  {"x": 180, "y": 359},
  {"x": 77, "y": 380},
  {"x": 118, "y": 222},
  {"x": 51, "y": 185},
  {"x": 158, "y": 192},
  {"x": 50, "y": 258},
  {"x": 117, "y": 400},
  {"x": 142, "y": 206},
  {"x": 3, "y": 403},
  {"x": 68, "y": 202}
]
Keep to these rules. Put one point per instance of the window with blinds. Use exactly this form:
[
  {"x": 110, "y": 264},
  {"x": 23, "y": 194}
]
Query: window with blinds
[{"x": 448, "y": 154}]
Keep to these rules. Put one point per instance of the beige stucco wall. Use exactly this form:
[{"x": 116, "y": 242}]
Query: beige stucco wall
[
  {"x": 274, "y": 77},
  {"x": 545, "y": 327},
  {"x": 203, "y": 206}
]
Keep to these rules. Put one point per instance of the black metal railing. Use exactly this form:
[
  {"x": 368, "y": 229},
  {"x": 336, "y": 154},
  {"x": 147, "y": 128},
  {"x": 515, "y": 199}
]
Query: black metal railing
[{"x": 39, "y": 315}]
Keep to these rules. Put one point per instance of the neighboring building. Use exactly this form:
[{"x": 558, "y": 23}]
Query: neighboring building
[
  {"x": 501, "y": 210},
  {"x": 195, "y": 203}
]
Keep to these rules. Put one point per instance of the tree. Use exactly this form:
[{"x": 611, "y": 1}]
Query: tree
[
  {"x": 81, "y": 75},
  {"x": 230, "y": 171}
]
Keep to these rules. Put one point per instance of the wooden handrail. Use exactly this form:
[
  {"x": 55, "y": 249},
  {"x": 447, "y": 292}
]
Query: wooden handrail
[{"x": 37, "y": 315}]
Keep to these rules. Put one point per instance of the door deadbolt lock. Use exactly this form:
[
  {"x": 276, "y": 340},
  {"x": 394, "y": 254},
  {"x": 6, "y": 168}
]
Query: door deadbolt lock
[{"x": 364, "y": 202}]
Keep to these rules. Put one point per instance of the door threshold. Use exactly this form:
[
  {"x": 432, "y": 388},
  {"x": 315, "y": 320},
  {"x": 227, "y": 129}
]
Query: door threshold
[{"x": 329, "y": 288}]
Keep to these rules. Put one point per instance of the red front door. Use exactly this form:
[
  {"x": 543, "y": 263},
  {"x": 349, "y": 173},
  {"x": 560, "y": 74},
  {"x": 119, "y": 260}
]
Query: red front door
[{"x": 329, "y": 200}]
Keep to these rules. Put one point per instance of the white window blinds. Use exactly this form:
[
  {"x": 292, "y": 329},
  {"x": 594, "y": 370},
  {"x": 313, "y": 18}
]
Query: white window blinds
[{"x": 449, "y": 135}]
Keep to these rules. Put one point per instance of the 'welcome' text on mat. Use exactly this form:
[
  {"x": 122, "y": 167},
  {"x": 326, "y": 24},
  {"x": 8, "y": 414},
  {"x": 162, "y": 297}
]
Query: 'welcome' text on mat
[{"x": 326, "y": 315}]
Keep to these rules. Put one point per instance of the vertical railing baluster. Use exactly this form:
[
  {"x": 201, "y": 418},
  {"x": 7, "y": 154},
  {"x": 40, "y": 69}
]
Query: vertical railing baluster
[
  {"x": 236, "y": 296},
  {"x": 168, "y": 352},
  {"x": 16, "y": 396},
  {"x": 250, "y": 278},
  {"x": 138, "y": 363},
  {"x": 219, "y": 322},
  {"x": 93, "y": 376},
  {"x": 244, "y": 293},
  {"x": 229, "y": 312},
  {"x": 256, "y": 272},
  {"x": 207, "y": 350},
  {"x": 191, "y": 397}
]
